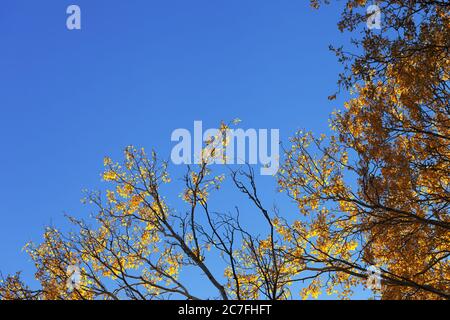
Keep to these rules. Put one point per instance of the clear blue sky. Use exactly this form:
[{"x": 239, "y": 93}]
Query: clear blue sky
[{"x": 136, "y": 71}]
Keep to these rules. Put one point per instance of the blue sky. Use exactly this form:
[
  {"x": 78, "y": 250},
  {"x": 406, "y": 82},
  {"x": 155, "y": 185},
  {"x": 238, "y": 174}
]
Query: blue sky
[{"x": 135, "y": 72}]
